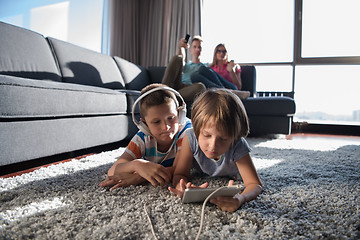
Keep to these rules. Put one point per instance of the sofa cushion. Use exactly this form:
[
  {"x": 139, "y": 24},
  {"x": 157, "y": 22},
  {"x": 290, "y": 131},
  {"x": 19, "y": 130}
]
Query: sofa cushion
[
  {"x": 24, "y": 98},
  {"x": 135, "y": 76},
  {"x": 24, "y": 53},
  {"x": 27, "y": 140},
  {"x": 87, "y": 67},
  {"x": 271, "y": 106}
]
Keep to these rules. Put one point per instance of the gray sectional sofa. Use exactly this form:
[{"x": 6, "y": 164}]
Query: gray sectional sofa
[{"x": 56, "y": 97}]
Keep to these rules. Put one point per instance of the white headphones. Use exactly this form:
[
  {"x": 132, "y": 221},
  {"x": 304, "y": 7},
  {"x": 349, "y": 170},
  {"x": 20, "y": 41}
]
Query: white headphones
[{"x": 181, "y": 110}]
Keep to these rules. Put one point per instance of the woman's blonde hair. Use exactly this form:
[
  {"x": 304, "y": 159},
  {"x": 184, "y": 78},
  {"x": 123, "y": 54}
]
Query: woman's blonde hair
[{"x": 222, "y": 107}]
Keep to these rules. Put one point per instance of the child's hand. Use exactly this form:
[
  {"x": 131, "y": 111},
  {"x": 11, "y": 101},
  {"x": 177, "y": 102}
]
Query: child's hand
[
  {"x": 179, "y": 191},
  {"x": 121, "y": 180},
  {"x": 155, "y": 173},
  {"x": 229, "y": 204}
]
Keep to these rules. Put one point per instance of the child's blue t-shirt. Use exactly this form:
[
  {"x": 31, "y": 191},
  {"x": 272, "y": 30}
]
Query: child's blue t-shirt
[{"x": 226, "y": 165}]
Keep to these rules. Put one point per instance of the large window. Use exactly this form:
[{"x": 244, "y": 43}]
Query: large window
[
  {"x": 328, "y": 94},
  {"x": 252, "y": 30},
  {"x": 330, "y": 28},
  {"x": 75, "y": 21},
  {"x": 309, "y": 47}
]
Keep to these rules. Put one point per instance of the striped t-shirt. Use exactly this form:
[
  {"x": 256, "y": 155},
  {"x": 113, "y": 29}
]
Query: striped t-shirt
[{"x": 145, "y": 147}]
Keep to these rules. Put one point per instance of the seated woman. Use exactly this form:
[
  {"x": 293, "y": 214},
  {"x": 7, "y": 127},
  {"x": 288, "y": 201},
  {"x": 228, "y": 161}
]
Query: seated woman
[{"x": 228, "y": 70}]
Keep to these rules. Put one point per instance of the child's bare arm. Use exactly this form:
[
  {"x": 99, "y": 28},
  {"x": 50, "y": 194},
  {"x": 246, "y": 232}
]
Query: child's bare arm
[
  {"x": 152, "y": 172},
  {"x": 122, "y": 180},
  {"x": 183, "y": 163},
  {"x": 124, "y": 158},
  {"x": 253, "y": 187},
  {"x": 125, "y": 180}
]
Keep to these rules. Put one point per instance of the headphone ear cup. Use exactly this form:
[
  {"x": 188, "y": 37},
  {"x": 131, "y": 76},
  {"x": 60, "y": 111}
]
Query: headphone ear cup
[
  {"x": 182, "y": 114},
  {"x": 144, "y": 128}
]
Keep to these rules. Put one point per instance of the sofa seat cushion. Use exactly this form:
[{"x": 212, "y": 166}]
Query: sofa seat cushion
[
  {"x": 270, "y": 106},
  {"x": 27, "y": 140},
  {"x": 25, "y": 98},
  {"x": 83, "y": 66},
  {"x": 24, "y": 53}
]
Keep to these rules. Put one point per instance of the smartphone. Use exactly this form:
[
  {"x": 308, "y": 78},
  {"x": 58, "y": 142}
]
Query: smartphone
[
  {"x": 200, "y": 194},
  {"x": 187, "y": 37}
]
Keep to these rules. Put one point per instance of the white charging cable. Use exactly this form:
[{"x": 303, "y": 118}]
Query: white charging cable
[
  {"x": 203, "y": 210},
  {"x": 149, "y": 219},
  {"x": 201, "y": 218}
]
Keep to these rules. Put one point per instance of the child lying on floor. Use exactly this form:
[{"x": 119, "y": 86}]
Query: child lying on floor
[
  {"x": 150, "y": 154},
  {"x": 216, "y": 147}
]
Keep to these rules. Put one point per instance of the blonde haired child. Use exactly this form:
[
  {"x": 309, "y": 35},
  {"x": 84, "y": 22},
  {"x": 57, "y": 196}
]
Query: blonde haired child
[
  {"x": 216, "y": 146},
  {"x": 150, "y": 154}
]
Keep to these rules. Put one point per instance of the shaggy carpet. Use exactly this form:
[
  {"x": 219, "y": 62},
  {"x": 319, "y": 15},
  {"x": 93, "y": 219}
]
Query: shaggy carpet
[{"x": 311, "y": 192}]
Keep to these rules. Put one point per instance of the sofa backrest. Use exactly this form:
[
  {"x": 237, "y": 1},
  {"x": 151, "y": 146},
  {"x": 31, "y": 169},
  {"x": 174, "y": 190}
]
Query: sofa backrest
[
  {"x": 83, "y": 66},
  {"x": 156, "y": 74},
  {"x": 26, "y": 54},
  {"x": 135, "y": 76}
]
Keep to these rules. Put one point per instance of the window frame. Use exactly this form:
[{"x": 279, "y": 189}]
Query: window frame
[{"x": 297, "y": 49}]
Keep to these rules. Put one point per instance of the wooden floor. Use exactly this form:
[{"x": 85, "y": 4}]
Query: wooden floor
[{"x": 18, "y": 169}]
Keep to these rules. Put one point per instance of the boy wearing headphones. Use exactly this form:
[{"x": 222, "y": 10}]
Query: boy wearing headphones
[{"x": 151, "y": 152}]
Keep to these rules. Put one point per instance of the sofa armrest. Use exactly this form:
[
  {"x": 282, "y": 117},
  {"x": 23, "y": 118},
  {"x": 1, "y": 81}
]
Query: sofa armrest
[{"x": 248, "y": 78}]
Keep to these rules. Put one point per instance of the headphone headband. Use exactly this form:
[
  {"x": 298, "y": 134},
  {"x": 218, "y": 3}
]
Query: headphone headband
[{"x": 181, "y": 110}]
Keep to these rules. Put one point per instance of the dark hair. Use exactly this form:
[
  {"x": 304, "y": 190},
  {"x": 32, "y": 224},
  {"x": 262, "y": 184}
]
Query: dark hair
[{"x": 156, "y": 98}]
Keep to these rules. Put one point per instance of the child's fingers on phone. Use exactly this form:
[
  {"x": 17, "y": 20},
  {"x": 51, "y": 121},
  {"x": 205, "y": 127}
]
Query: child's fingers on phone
[
  {"x": 225, "y": 203},
  {"x": 172, "y": 190},
  {"x": 204, "y": 185},
  {"x": 176, "y": 192},
  {"x": 231, "y": 183}
]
